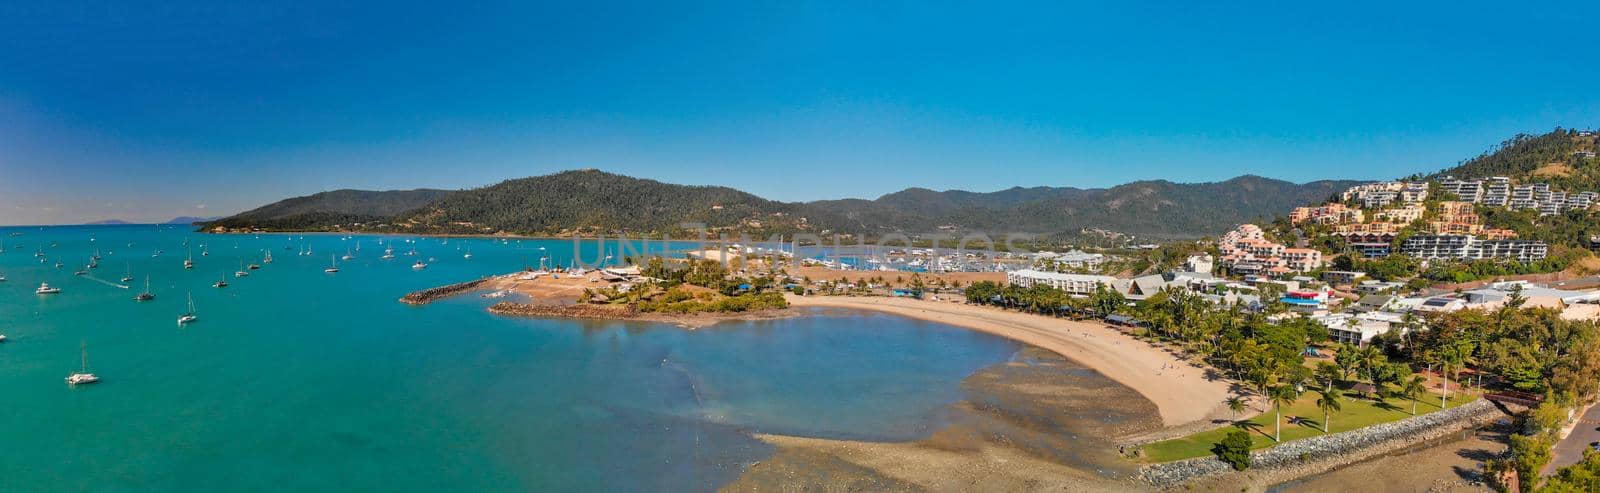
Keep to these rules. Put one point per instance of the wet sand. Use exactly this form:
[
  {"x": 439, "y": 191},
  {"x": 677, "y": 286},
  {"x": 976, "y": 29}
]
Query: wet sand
[
  {"x": 1454, "y": 466},
  {"x": 1039, "y": 423},
  {"x": 1185, "y": 393}
]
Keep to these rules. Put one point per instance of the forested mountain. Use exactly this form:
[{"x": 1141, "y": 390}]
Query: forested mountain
[
  {"x": 590, "y": 201},
  {"x": 1548, "y": 157},
  {"x": 321, "y": 210},
  {"x": 1159, "y": 209}
]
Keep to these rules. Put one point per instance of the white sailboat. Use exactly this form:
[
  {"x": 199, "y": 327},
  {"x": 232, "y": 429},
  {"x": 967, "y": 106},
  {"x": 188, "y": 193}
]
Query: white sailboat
[
  {"x": 268, "y": 258},
  {"x": 188, "y": 260},
  {"x": 388, "y": 253},
  {"x": 334, "y": 266},
  {"x": 221, "y": 282},
  {"x": 468, "y": 255},
  {"x": 127, "y": 272},
  {"x": 241, "y": 272},
  {"x": 190, "y": 315},
  {"x": 82, "y": 376}
]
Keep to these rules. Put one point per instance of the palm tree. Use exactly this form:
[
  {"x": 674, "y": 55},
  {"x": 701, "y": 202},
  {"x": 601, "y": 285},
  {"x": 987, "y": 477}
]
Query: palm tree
[
  {"x": 1413, "y": 388},
  {"x": 1328, "y": 403},
  {"x": 1235, "y": 404},
  {"x": 1280, "y": 396}
]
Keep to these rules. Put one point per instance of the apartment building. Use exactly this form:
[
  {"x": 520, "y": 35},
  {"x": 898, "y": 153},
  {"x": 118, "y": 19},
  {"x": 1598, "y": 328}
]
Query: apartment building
[
  {"x": 1468, "y": 247},
  {"x": 1326, "y": 214},
  {"x": 1082, "y": 284}
]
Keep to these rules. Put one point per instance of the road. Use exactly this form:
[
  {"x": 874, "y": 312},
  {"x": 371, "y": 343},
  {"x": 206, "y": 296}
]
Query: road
[{"x": 1570, "y": 450}]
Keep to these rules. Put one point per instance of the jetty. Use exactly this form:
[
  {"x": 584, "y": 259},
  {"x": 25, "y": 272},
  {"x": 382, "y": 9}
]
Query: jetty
[
  {"x": 565, "y": 311},
  {"x": 427, "y": 295}
]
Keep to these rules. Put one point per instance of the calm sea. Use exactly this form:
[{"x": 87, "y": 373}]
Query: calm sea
[{"x": 298, "y": 380}]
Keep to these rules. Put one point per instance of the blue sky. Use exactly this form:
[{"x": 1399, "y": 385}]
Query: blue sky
[{"x": 148, "y": 112}]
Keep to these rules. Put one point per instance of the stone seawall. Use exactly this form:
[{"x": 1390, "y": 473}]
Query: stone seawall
[
  {"x": 1318, "y": 454},
  {"x": 427, "y": 295},
  {"x": 565, "y": 311}
]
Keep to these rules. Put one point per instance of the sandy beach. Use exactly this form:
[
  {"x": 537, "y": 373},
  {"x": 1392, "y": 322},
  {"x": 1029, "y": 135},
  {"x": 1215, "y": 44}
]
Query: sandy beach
[{"x": 1183, "y": 393}]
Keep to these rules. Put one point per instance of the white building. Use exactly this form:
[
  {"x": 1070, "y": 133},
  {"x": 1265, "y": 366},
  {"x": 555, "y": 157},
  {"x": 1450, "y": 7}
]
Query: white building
[{"x": 1071, "y": 283}]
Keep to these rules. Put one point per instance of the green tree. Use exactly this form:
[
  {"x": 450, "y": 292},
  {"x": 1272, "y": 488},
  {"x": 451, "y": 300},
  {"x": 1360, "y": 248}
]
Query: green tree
[
  {"x": 1412, "y": 388},
  {"x": 1280, "y": 396},
  {"x": 1234, "y": 449},
  {"x": 1235, "y": 404},
  {"x": 1329, "y": 401}
]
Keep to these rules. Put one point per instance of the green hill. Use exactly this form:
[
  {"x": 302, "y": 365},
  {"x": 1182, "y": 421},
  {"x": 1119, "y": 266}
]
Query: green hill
[{"x": 587, "y": 202}]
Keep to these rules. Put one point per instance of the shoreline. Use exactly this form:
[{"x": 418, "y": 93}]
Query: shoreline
[
  {"x": 1121, "y": 358},
  {"x": 689, "y": 321}
]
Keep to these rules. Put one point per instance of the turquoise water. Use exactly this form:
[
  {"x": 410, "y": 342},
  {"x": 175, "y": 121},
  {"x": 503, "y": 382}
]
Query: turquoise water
[{"x": 298, "y": 380}]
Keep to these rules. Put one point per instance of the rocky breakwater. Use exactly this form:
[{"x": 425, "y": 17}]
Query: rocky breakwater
[
  {"x": 430, "y": 294},
  {"x": 565, "y": 311},
  {"x": 1315, "y": 455}
]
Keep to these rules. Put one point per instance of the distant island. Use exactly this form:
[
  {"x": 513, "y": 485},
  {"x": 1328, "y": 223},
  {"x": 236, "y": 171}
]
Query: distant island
[{"x": 175, "y": 220}]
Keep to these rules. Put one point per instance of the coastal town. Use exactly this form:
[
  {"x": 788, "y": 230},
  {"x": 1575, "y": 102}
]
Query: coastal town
[
  {"x": 799, "y": 247},
  {"x": 1359, "y": 364}
]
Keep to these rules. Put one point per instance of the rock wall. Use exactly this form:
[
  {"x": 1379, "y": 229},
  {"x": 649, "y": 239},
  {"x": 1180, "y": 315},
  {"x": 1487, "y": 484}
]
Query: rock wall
[
  {"x": 1318, "y": 454},
  {"x": 427, "y": 295}
]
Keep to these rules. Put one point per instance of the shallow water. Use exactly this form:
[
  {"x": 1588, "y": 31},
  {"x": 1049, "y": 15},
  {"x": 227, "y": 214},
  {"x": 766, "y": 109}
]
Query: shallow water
[{"x": 298, "y": 380}]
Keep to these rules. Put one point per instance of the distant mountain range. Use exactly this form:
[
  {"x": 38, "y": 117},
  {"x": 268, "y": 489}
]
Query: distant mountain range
[
  {"x": 587, "y": 202},
  {"x": 190, "y": 220},
  {"x": 175, "y": 220}
]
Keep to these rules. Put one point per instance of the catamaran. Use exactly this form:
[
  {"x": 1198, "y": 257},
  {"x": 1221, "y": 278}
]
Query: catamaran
[
  {"x": 268, "y": 258},
  {"x": 127, "y": 272},
  {"x": 241, "y": 272},
  {"x": 83, "y": 375},
  {"x": 334, "y": 266},
  {"x": 388, "y": 253},
  {"x": 221, "y": 283},
  {"x": 146, "y": 295},
  {"x": 188, "y": 261},
  {"x": 190, "y": 316}
]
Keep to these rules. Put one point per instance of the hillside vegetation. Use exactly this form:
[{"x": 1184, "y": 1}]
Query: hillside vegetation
[{"x": 588, "y": 202}]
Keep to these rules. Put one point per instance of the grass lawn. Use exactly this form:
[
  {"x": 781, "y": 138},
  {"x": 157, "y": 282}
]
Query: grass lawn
[{"x": 1356, "y": 413}]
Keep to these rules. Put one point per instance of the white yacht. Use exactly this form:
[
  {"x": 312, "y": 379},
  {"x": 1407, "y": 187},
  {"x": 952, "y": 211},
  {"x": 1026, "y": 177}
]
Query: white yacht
[
  {"x": 468, "y": 255},
  {"x": 419, "y": 265},
  {"x": 241, "y": 272},
  {"x": 44, "y": 288},
  {"x": 334, "y": 266},
  {"x": 388, "y": 253},
  {"x": 189, "y": 316},
  {"x": 83, "y": 375}
]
